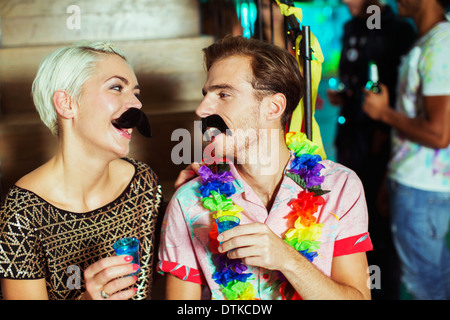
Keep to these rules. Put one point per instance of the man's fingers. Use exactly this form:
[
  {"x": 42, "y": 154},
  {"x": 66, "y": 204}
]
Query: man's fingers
[
  {"x": 240, "y": 230},
  {"x": 246, "y": 235}
]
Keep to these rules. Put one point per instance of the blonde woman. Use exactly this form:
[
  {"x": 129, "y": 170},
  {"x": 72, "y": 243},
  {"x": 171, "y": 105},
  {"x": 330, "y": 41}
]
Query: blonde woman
[{"x": 59, "y": 222}]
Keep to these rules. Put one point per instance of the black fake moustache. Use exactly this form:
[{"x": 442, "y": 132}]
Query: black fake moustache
[
  {"x": 215, "y": 121},
  {"x": 134, "y": 118}
]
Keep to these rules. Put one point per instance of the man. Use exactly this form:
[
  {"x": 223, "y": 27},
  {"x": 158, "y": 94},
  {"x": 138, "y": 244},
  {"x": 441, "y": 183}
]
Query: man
[
  {"x": 419, "y": 170},
  {"x": 359, "y": 139},
  {"x": 253, "y": 87},
  {"x": 363, "y": 144}
]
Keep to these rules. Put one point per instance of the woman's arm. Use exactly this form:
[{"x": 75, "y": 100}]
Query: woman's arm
[{"x": 13, "y": 289}]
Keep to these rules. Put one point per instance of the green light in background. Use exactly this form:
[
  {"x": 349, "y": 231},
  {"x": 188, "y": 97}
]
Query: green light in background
[{"x": 247, "y": 14}]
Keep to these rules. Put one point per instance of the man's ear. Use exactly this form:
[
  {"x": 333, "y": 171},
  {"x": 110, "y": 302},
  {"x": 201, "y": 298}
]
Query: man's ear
[
  {"x": 64, "y": 104},
  {"x": 276, "y": 107}
]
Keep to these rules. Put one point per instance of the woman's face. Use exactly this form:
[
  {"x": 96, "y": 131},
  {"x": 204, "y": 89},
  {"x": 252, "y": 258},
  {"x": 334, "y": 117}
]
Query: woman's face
[{"x": 111, "y": 91}]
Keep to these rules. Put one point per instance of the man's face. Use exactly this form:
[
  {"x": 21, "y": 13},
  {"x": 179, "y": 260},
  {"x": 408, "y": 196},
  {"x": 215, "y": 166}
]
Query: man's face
[
  {"x": 356, "y": 7},
  {"x": 229, "y": 94},
  {"x": 277, "y": 17},
  {"x": 408, "y": 8}
]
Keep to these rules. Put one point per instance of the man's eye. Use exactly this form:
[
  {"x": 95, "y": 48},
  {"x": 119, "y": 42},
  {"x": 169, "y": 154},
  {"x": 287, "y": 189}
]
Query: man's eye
[
  {"x": 138, "y": 96},
  {"x": 223, "y": 95}
]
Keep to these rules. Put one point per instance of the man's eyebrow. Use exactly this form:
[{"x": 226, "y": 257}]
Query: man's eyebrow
[
  {"x": 124, "y": 80},
  {"x": 218, "y": 87}
]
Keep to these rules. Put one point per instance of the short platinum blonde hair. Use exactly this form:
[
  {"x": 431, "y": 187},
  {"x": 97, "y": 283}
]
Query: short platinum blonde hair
[{"x": 66, "y": 69}]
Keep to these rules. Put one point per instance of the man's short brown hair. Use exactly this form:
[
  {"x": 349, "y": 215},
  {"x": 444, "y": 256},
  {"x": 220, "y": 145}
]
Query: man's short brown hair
[{"x": 275, "y": 70}]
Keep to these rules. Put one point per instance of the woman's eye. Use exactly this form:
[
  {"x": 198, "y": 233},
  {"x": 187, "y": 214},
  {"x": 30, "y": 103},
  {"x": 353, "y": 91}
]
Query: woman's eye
[{"x": 117, "y": 87}]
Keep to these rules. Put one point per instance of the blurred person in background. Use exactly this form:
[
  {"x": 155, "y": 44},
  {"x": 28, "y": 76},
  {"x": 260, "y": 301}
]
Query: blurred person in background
[
  {"x": 361, "y": 143},
  {"x": 419, "y": 169}
]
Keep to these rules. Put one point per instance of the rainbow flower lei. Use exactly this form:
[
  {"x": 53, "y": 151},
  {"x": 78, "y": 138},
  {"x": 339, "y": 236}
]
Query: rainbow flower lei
[{"x": 217, "y": 188}]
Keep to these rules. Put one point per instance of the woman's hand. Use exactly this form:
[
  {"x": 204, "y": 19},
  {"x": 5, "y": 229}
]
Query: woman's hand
[
  {"x": 107, "y": 279},
  {"x": 190, "y": 172}
]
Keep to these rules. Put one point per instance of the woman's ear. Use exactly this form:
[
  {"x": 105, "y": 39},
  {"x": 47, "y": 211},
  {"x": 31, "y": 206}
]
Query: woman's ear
[
  {"x": 276, "y": 107},
  {"x": 64, "y": 105}
]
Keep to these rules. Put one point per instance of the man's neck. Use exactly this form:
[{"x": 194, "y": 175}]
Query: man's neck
[
  {"x": 265, "y": 183},
  {"x": 425, "y": 20}
]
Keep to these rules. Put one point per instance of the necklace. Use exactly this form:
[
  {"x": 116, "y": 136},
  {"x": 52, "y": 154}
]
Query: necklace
[{"x": 217, "y": 189}]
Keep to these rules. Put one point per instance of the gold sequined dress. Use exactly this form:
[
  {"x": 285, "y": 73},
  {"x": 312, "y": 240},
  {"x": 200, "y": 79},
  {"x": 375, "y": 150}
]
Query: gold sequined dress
[{"x": 38, "y": 240}]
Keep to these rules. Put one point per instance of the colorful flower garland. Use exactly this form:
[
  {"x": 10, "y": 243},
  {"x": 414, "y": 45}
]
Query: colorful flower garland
[{"x": 217, "y": 188}]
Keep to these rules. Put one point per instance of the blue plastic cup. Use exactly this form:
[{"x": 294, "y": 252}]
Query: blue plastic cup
[
  {"x": 226, "y": 223},
  {"x": 128, "y": 246}
]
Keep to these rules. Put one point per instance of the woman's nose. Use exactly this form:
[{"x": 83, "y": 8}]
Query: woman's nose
[{"x": 134, "y": 102}]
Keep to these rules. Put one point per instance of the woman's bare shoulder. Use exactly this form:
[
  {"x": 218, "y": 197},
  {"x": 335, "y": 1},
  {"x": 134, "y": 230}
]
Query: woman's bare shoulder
[{"x": 35, "y": 179}]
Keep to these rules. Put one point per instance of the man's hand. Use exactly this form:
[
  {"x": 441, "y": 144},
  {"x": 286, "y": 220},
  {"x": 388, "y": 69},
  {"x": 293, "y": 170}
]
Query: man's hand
[
  {"x": 376, "y": 105},
  {"x": 336, "y": 98},
  {"x": 256, "y": 245},
  {"x": 431, "y": 129}
]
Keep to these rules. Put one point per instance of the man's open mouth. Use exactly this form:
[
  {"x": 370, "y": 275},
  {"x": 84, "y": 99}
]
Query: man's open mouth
[{"x": 214, "y": 125}]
